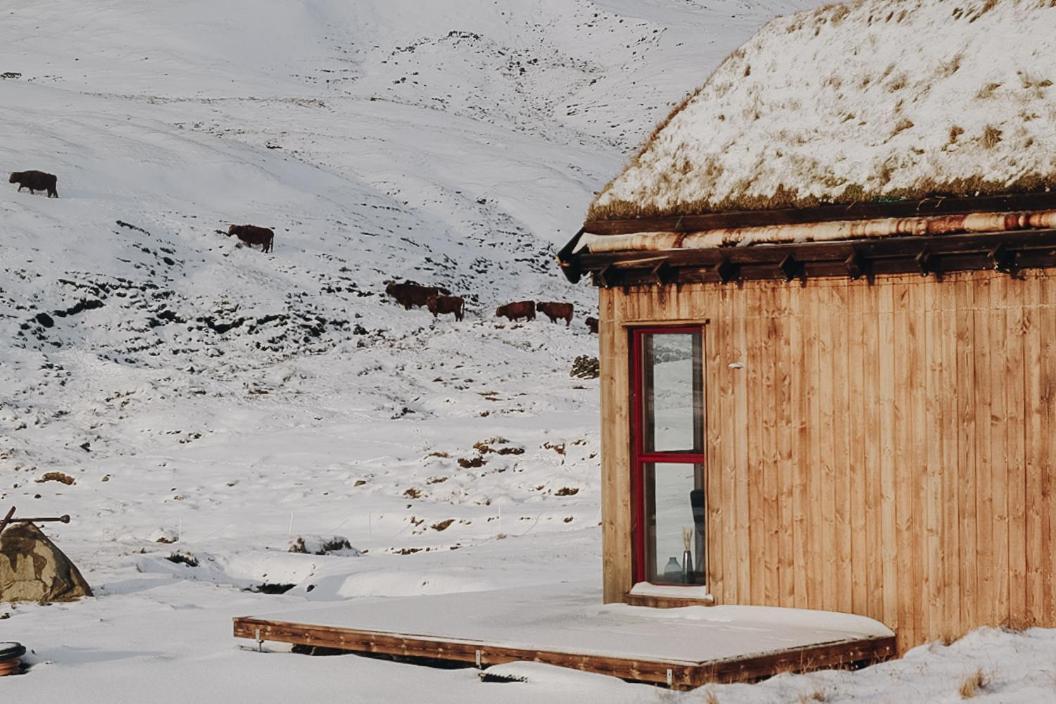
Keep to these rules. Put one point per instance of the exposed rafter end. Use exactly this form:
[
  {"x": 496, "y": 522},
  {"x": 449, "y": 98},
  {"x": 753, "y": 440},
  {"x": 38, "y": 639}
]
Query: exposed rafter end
[
  {"x": 1004, "y": 260},
  {"x": 727, "y": 270},
  {"x": 791, "y": 268},
  {"x": 928, "y": 263},
  {"x": 664, "y": 273},
  {"x": 857, "y": 266}
]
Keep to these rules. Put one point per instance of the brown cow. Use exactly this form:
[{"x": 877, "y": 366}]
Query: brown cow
[
  {"x": 413, "y": 295},
  {"x": 592, "y": 325},
  {"x": 556, "y": 311},
  {"x": 446, "y": 304},
  {"x": 515, "y": 311},
  {"x": 251, "y": 235},
  {"x": 36, "y": 181}
]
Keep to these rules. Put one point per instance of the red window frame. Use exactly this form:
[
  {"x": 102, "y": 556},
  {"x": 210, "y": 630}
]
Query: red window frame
[{"x": 639, "y": 457}]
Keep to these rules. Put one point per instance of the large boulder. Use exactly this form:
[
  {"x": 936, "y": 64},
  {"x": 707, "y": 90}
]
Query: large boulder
[{"x": 32, "y": 568}]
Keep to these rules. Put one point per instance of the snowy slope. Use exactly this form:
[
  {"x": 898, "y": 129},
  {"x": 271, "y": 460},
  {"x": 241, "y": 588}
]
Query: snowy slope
[
  {"x": 869, "y": 99},
  {"x": 203, "y": 393}
]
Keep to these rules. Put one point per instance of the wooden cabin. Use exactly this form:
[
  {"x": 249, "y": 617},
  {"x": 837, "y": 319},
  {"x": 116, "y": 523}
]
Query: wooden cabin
[{"x": 828, "y": 327}]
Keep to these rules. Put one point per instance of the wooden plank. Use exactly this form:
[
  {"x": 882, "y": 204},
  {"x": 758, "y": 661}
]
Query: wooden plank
[
  {"x": 853, "y": 654},
  {"x": 679, "y": 674},
  {"x": 840, "y": 399},
  {"x": 984, "y": 526},
  {"x": 759, "y": 560},
  {"x": 767, "y": 411},
  {"x": 1014, "y": 375},
  {"x": 907, "y": 468},
  {"x": 738, "y": 311},
  {"x": 999, "y": 476},
  {"x": 888, "y": 505},
  {"x": 615, "y": 426},
  {"x": 786, "y": 341},
  {"x": 930, "y": 435},
  {"x": 729, "y": 380},
  {"x": 871, "y": 464},
  {"x": 714, "y": 465},
  {"x": 1047, "y": 447},
  {"x": 966, "y": 452},
  {"x": 1034, "y": 441},
  {"x": 825, "y": 440},
  {"x": 802, "y": 390},
  {"x": 858, "y": 466},
  {"x": 950, "y": 482}
]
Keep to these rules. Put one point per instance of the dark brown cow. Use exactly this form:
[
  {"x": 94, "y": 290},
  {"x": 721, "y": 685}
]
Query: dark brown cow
[
  {"x": 36, "y": 181},
  {"x": 556, "y": 311},
  {"x": 413, "y": 295},
  {"x": 438, "y": 305},
  {"x": 592, "y": 325},
  {"x": 515, "y": 311},
  {"x": 251, "y": 235}
]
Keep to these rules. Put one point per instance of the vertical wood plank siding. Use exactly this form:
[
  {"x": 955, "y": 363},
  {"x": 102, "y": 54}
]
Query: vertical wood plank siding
[{"x": 884, "y": 449}]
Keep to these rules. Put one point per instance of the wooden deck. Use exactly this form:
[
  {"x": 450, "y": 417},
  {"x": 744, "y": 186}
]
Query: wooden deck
[{"x": 639, "y": 646}]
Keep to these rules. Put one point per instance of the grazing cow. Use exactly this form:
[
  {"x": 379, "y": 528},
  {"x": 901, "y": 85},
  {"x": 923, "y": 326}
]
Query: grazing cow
[
  {"x": 36, "y": 181},
  {"x": 251, "y": 235},
  {"x": 413, "y": 295},
  {"x": 592, "y": 325},
  {"x": 438, "y": 305},
  {"x": 515, "y": 311},
  {"x": 556, "y": 311}
]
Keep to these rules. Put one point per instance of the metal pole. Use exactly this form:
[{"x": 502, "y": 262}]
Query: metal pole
[
  {"x": 7, "y": 519},
  {"x": 65, "y": 518}
]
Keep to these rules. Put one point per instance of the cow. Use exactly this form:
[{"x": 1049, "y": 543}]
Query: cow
[
  {"x": 251, "y": 235},
  {"x": 413, "y": 295},
  {"x": 438, "y": 305},
  {"x": 592, "y": 325},
  {"x": 515, "y": 311},
  {"x": 556, "y": 311},
  {"x": 36, "y": 181}
]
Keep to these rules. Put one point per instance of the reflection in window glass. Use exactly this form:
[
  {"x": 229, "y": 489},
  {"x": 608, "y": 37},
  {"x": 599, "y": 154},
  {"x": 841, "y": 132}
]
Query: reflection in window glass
[
  {"x": 673, "y": 389},
  {"x": 675, "y": 516}
]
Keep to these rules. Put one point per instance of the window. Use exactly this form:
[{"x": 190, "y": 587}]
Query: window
[{"x": 668, "y": 480}]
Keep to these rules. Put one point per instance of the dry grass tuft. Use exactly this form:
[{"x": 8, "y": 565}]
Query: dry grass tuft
[
  {"x": 817, "y": 695},
  {"x": 898, "y": 83},
  {"x": 987, "y": 91},
  {"x": 902, "y": 125},
  {"x": 991, "y": 136},
  {"x": 951, "y": 67},
  {"x": 711, "y": 697},
  {"x": 955, "y": 132},
  {"x": 974, "y": 684}
]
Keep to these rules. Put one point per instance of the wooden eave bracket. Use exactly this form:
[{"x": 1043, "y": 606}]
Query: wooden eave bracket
[
  {"x": 856, "y": 264},
  {"x": 1004, "y": 260},
  {"x": 727, "y": 271},
  {"x": 791, "y": 268},
  {"x": 926, "y": 262},
  {"x": 664, "y": 273}
]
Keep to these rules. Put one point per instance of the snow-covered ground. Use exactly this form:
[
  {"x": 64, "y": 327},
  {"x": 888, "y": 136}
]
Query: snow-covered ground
[{"x": 216, "y": 402}]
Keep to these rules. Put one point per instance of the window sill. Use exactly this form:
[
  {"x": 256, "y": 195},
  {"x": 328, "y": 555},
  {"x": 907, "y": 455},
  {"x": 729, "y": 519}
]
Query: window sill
[{"x": 668, "y": 596}]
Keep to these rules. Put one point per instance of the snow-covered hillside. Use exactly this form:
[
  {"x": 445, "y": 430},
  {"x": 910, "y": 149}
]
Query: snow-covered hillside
[{"x": 217, "y": 402}]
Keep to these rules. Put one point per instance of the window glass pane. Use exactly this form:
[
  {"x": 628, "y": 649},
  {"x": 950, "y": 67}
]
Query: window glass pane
[
  {"x": 674, "y": 516},
  {"x": 673, "y": 392}
]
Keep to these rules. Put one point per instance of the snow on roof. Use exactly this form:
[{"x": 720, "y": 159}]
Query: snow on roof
[{"x": 869, "y": 100}]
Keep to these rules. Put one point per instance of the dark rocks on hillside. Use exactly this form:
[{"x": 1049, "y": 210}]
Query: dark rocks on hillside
[
  {"x": 45, "y": 320},
  {"x": 585, "y": 367}
]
